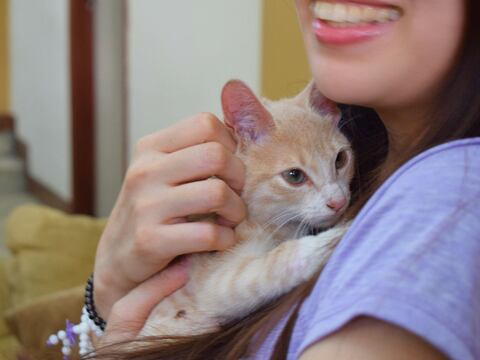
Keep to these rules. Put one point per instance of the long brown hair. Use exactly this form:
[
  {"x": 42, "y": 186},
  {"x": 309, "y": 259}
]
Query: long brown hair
[{"x": 456, "y": 116}]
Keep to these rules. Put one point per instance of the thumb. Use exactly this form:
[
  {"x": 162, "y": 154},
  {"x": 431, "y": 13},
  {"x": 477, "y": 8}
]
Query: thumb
[{"x": 130, "y": 313}]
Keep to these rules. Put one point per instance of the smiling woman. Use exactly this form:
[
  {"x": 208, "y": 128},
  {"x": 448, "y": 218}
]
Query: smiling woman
[{"x": 403, "y": 282}]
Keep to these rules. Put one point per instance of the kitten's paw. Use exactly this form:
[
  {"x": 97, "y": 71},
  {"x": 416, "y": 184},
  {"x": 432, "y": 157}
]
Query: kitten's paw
[{"x": 314, "y": 251}]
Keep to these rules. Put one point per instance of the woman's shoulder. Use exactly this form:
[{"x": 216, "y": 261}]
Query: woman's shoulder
[
  {"x": 443, "y": 175},
  {"x": 434, "y": 196},
  {"x": 410, "y": 257}
]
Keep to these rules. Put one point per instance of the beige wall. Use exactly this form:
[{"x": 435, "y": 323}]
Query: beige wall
[
  {"x": 40, "y": 88},
  {"x": 285, "y": 69},
  {"x": 4, "y": 58},
  {"x": 181, "y": 53},
  {"x": 109, "y": 107}
]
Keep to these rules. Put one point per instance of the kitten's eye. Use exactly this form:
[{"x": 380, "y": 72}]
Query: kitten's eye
[
  {"x": 341, "y": 160},
  {"x": 294, "y": 176}
]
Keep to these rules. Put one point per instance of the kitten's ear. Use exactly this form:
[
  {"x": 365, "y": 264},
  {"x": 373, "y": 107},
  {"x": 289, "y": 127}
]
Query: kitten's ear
[
  {"x": 311, "y": 97},
  {"x": 244, "y": 113}
]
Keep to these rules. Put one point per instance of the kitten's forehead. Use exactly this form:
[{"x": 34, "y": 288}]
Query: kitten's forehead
[{"x": 303, "y": 128}]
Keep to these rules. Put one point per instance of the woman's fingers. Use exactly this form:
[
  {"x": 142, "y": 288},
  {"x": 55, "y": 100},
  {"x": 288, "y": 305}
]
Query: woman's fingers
[
  {"x": 206, "y": 160},
  {"x": 205, "y": 197},
  {"x": 201, "y": 128},
  {"x": 129, "y": 314},
  {"x": 162, "y": 243},
  {"x": 197, "y": 198},
  {"x": 190, "y": 164}
]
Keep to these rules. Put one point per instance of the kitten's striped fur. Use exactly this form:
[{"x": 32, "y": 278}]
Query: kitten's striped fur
[{"x": 273, "y": 254}]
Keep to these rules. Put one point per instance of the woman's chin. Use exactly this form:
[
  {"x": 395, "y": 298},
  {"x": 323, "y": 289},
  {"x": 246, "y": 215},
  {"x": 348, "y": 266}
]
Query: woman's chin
[
  {"x": 337, "y": 89},
  {"x": 347, "y": 96}
]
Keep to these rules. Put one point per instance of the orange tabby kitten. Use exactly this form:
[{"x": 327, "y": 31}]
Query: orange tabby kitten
[{"x": 298, "y": 170}]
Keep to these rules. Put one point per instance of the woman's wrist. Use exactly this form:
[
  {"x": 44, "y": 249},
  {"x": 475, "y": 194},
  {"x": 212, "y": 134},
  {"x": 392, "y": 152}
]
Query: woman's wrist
[
  {"x": 90, "y": 305},
  {"x": 105, "y": 295}
]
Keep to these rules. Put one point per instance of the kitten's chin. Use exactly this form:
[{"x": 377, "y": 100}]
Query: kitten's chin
[
  {"x": 319, "y": 226},
  {"x": 304, "y": 228}
]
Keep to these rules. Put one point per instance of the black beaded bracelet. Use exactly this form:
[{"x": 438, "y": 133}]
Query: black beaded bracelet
[{"x": 90, "y": 306}]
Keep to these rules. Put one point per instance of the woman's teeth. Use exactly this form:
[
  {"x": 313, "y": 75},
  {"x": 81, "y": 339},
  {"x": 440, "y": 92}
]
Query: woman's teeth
[{"x": 343, "y": 15}]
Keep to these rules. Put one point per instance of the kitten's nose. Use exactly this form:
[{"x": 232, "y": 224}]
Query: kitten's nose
[{"x": 336, "y": 204}]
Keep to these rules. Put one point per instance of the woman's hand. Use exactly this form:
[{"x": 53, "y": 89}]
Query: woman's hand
[
  {"x": 169, "y": 179},
  {"x": 129, "y": 314}
]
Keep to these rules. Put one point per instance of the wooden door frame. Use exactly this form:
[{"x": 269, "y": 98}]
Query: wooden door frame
[{"x": 82, "y": 106}]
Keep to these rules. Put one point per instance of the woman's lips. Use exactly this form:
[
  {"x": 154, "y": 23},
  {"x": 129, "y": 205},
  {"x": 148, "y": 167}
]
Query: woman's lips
[
  {"x": 342, "y": 23},
  {"x": 329, "y": 34}
]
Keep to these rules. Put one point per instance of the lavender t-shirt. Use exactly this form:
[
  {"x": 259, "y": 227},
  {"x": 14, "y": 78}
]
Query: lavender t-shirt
[{"x": 411, "y": 258}]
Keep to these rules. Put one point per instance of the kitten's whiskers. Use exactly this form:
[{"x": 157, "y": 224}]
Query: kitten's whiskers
[{"x": 285, "y": 218}]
